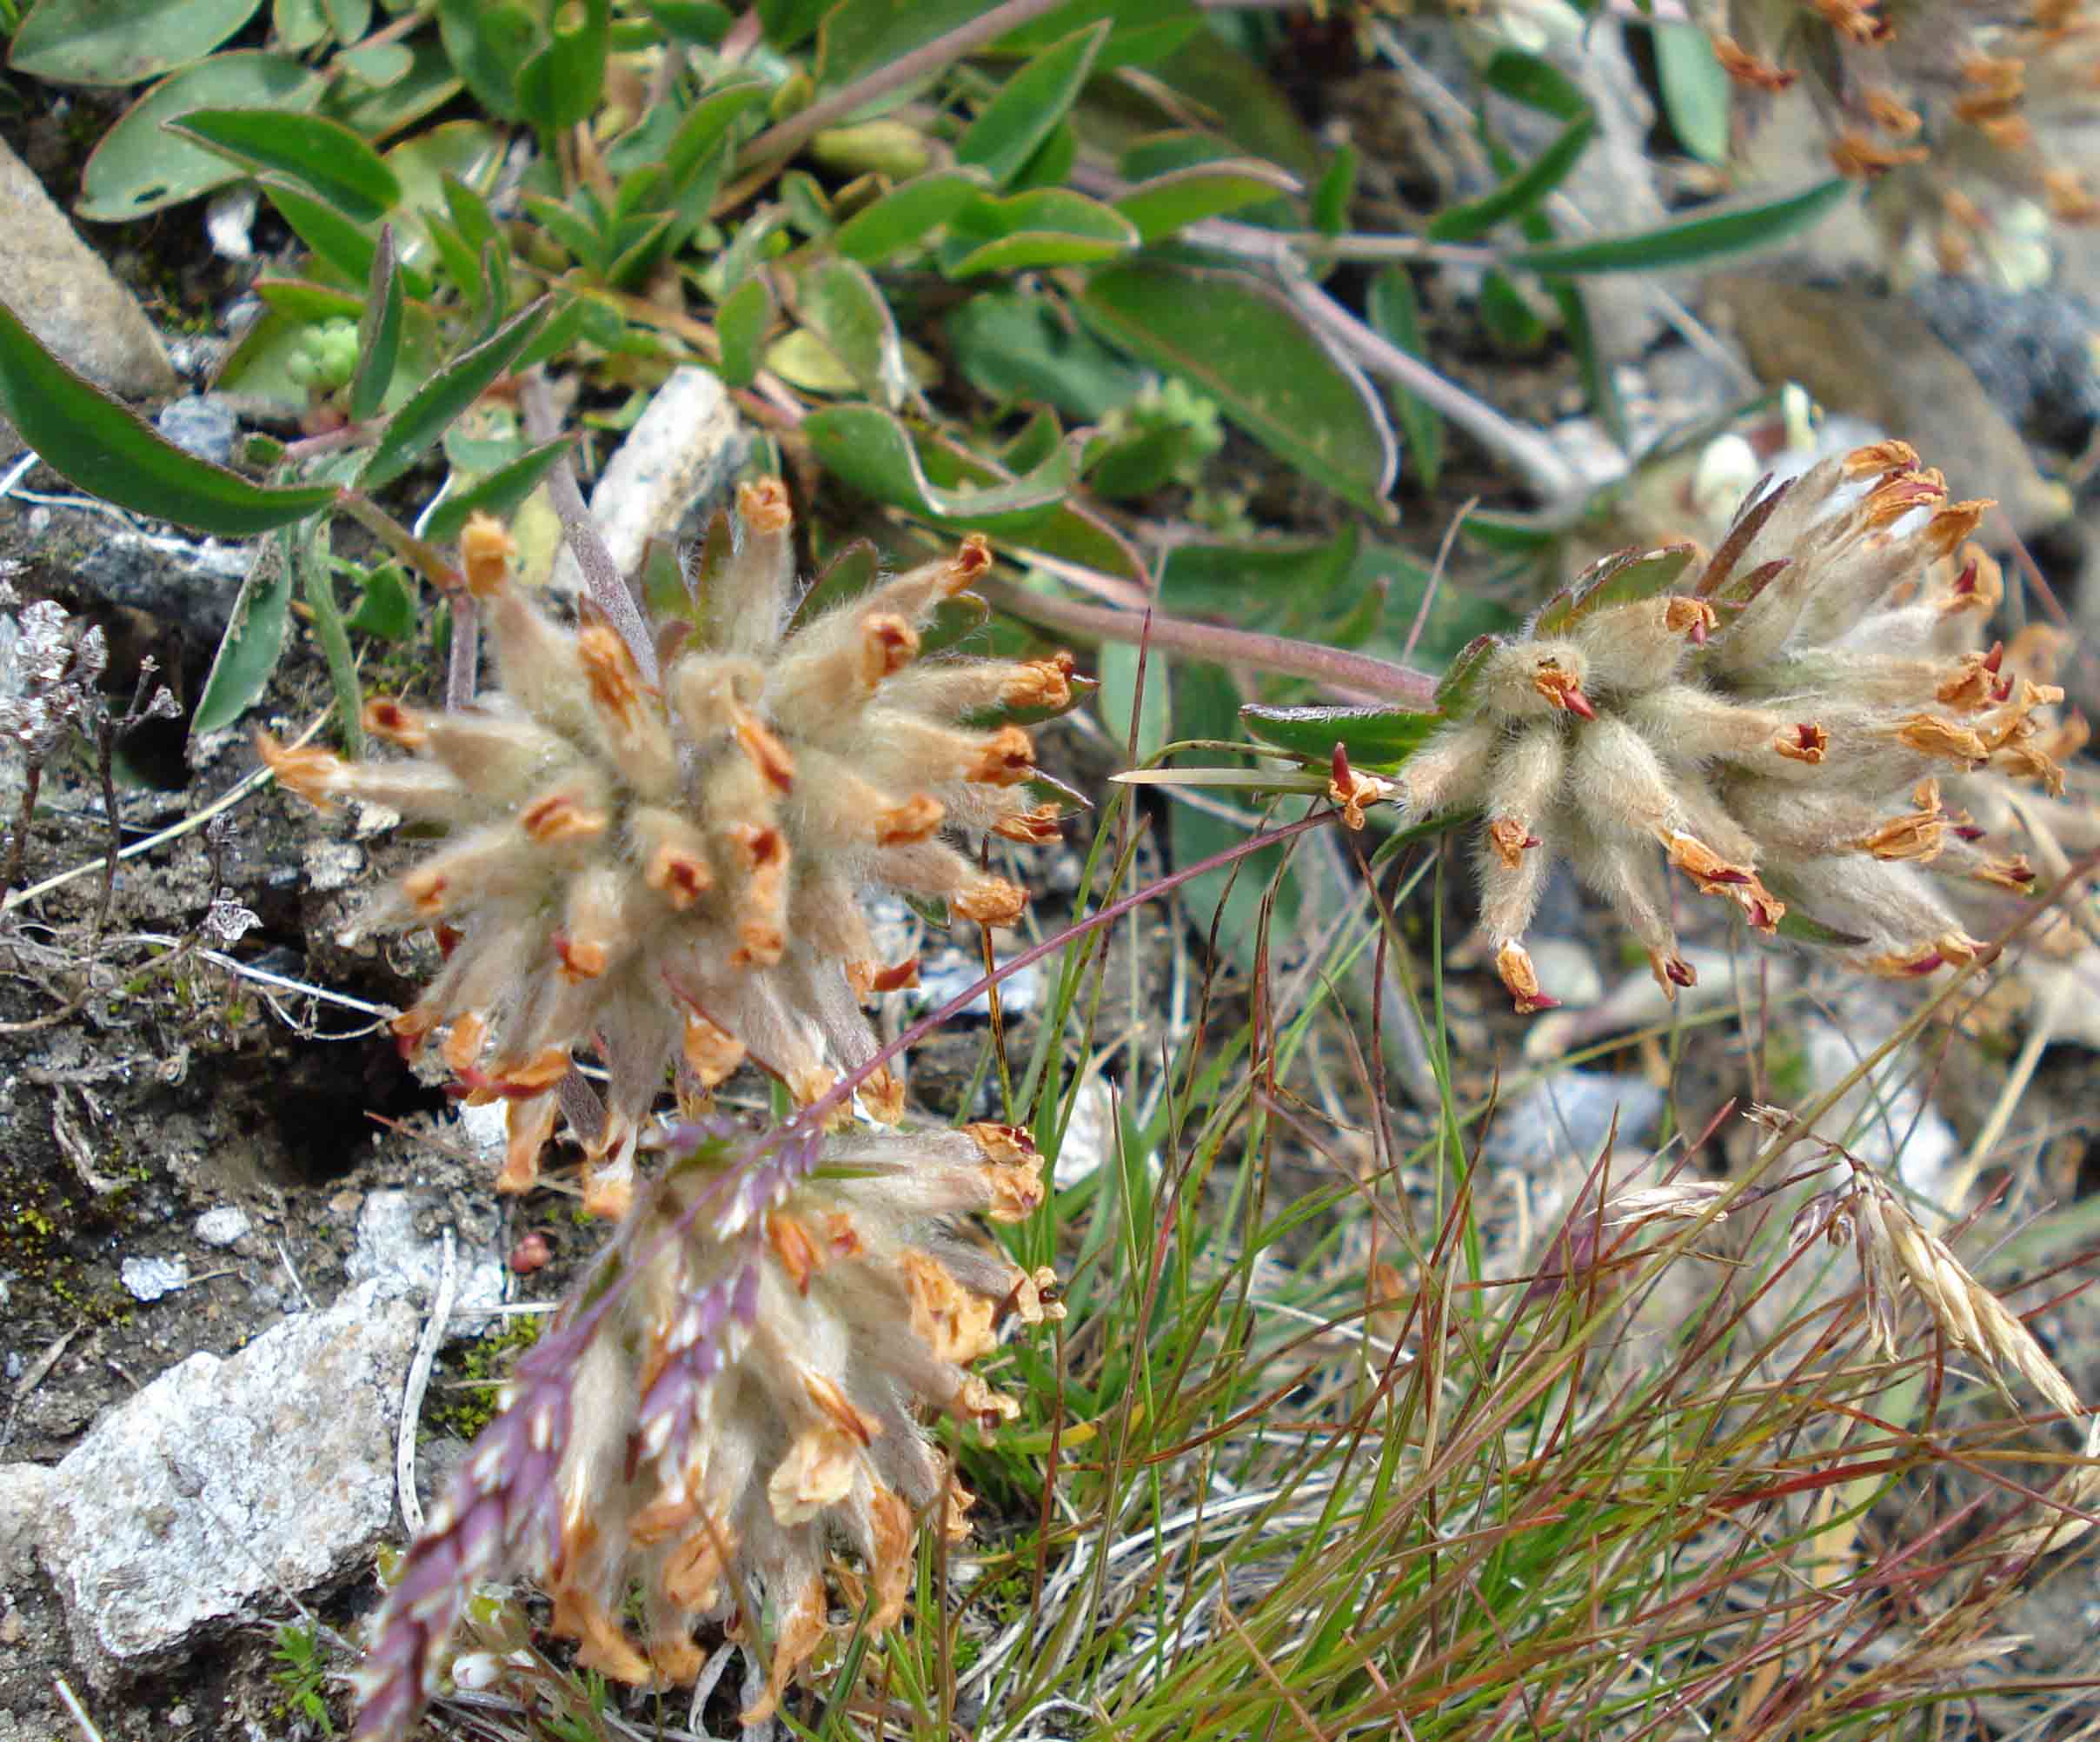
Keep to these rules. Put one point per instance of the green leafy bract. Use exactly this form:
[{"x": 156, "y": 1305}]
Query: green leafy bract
[
  {"x": 498, "y": 494},
  {"x": 1620, "y": 579},
  {"x": 1379, "y": 738},
  {"x": 83, "y": 433}
]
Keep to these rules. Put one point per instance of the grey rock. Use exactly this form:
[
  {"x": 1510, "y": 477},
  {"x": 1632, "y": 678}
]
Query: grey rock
[
  {"x": 60, "y": 287},
  {"x": 25, "y": 1498},
  {"x": 149, "y": 1279},
  {"x": 201, "y": 424},
  {"x": 680, "y": 455},
  {"x": 1570, "y": 1116},
  {"x": 191, "y": 1507},
  {"x": 223, "y": 1225},
  {"x": 393, "y": 1250},
  {"x": 945, "y": 974}
]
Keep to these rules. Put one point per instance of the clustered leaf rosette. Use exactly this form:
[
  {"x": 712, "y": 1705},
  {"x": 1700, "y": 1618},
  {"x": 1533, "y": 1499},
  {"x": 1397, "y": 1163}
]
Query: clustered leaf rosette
[
  {"x": 672, "y": 873},
  {"x": 1952, "y": 109},
  {"x": 1810, "y": 727},
  {"x": 727, "y": 1418}
]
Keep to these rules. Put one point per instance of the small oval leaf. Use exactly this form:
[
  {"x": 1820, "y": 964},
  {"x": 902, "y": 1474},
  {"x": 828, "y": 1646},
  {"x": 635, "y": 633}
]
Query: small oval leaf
[{"x": 121, "y": 42}]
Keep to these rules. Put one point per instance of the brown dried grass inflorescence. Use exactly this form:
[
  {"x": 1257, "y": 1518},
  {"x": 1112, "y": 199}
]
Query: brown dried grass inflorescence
[
  {"x": 1808, "y": 734},
  {"x": 672, "y": 873},
  {"x": 727, "y": 1418},
  {"x": 1898, "y": 1257}
]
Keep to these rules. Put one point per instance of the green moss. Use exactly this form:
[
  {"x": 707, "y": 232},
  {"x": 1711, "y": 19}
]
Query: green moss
[{"x": 478, "y": 1372}]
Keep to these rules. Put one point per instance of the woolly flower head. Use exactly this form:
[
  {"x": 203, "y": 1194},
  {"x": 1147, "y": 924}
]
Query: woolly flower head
[
  {"x": 1801, "y": 730},
  {"x": 728, "y": 1413},
  {"x": 1954, "y": 111},
  {"x": 673, "y": 873}
]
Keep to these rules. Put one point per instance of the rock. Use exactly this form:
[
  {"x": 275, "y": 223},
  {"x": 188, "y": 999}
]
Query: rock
[
  {"x": 191, "y": 1507},
  {"x": 223, "y": 1225},
  {"x": 945, "y": 974},
  {"x": 149, "y": 1279},
  {"x": 58, "y": 285},
  {"x": 203, "y": 424},
  {"x": 394, "y": 1251},
  {"x": 1874, "y": 357},
  {"x": 25, "y": 1500},
  {"x": 1569, "y": 1117},
  {"x": 681, "y": 452}
]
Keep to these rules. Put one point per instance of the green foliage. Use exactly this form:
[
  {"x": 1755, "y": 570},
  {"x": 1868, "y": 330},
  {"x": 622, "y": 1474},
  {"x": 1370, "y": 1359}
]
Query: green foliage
[{"x": 302, "y": 1671}]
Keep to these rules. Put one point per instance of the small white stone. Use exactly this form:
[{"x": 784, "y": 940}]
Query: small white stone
[
  {"x": 148, "y": 1279},
  {"x": 222, "y": 1225}
]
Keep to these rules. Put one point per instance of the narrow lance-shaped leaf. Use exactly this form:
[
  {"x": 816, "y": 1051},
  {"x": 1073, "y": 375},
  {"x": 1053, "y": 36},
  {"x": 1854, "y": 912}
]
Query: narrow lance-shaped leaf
[
  {"x": 1521, "y": 192},
  {"x": 83, "y": 433},
  {"x": 1029, "y": 105},
  {"x": 498, "y": 494},
  {"x": 1690, "y": 241},
  {"x": 431, "y": 410},
  {"x": 330, "y": 160},
  {"x": 1376, "y": 738},
  {"x": 254, "y": 637},
  {"x": 378, "y": 332}
]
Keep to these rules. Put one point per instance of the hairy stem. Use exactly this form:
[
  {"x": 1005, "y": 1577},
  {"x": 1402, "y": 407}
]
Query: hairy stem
[{"x": 1358, "y": 674}]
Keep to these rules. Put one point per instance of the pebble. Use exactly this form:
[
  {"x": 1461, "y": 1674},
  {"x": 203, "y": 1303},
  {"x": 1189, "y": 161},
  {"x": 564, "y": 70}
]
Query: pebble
[
  {"x": 223, "y": 1225},
  {"x": 149, "y": 1279},
  {"x": 201, "y": 424},
  {"x": 393, "y": 1249}
]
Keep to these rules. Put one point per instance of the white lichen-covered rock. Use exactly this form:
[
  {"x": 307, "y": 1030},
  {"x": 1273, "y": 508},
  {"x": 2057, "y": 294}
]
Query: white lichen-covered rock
[{"x": 229, "y": 1480}]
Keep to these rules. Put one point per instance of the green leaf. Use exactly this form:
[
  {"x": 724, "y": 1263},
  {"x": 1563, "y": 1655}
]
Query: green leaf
[
  {"x": 1119, "y": 699},
  {"x": 1695, "y": 93},
  {"x": 139, "y": 167},
  {"x": 859, "y": 35},
  {"x": 499, "y": 494},
  {"x": 873, "y": 452},
  {"x": 254, "y": 640},
  {"x": 903, "y": 218},
  {"x": 841, "y": 303},
  {"x": 430, "y": 411},
  {"x": 386, "y": 608},
  {"x": 1335, "y": 192},
  {"x": 1521, "y": 192},
  {"x": 561, "y": 85},
  {"x": 331, "y": 236},
  {"x": 1721, "y": 230},
  {"x": 742, "y": 323},
  {"x": 331, "y": 161},
  {"x": 298, "y": 25},
  {"x": 1242, "y": 102},
  {"x": 317, "y": 583},
  {"x": 699, "y": 22},
  {"x": 1232, "y": 339},
  {"x": 850, "y": 573},
  {"x": 121, "y": 42},
  {"x": 1014, "y": 344},
  {"x": 378, "y": 332},
  {"x": 1379, "y": 738},
  {"x": 1047, "y": 227},
  {"x": 83, "y": 433},
  {"x": 1509, "y": 319},
  {"x": 349, "y": 19},
  {"x": 1168, "y": 202},
  {"x": 1390, "y": 307},
  {"x": 1536, "y": 83},
  {"x": 1011, "y": 126},
  {"x": 1454, "y": 692},
  {"x": 1623, "y": 578},
  {"x": 1143, "y": 30},
  {"x": 488, "y": 41},
  {"x": 390, "y": 86},
  {"x": 707, "y": 126}
]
